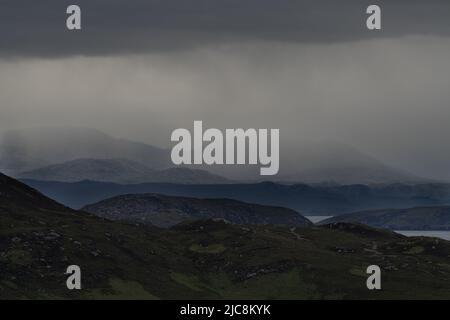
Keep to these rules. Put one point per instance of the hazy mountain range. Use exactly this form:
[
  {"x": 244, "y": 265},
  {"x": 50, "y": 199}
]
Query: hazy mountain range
[
  {"x": 331, "y": 161},
  {"x": 306, "y": 199},
  {"x": 63, "y": 154},
  {"x": 30, "y": 149},
  {"x": 119, "y": 171}
]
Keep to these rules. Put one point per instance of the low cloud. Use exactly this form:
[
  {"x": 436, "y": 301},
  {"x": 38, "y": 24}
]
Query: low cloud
[
  {"x": 386, "y": 97},
  {"x": 118, "y": 27}
]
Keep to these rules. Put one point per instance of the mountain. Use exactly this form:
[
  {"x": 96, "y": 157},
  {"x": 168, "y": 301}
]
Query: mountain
[
  {"x": 30, "y": 149},
  {"x": 323, "y": 161},
  {"x": 204, "y": 259},
  {"x": 118, "y": 171},
  {"x": 301, "y": 161},
  {"x": 335, "y": 162},
  {"x": 421, "y": 218},
  {"x": 165, "y": 211},
  {"x": 307, "y": 199}
]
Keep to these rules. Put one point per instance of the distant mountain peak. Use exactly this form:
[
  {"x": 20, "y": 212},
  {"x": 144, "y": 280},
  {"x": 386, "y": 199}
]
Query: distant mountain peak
[
  {"x": 30, "y": 149},
  {"x": 118, "y": 170}
]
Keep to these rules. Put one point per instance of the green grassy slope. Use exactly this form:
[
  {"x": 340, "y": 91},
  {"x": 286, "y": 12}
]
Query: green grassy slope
[{"x": 204, "y": 259}]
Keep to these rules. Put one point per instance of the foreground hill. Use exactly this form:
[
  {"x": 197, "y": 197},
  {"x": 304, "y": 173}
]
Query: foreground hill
[
  {"x": 118, "y": 171},
  {"x": 307, "y": 199},
  {"x": 422, "y": 218},
  {"x": 165, "y": 211},
  {"x": 204, "y": 259}
]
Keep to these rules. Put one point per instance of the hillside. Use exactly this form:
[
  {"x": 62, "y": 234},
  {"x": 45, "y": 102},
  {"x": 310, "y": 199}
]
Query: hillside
[
  {"x": 204, "y": 259},
  {"x": 165, "y": 211},
  {"x": 118, "y": 171},
  {"x": 307, "y": 199},
  {"x": 422, "y": 218},
  {"x": 14, "y": 194}
]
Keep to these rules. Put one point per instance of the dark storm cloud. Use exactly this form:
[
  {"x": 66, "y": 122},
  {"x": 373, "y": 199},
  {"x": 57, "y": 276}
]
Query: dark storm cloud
[{"x": 37, "y": 28}]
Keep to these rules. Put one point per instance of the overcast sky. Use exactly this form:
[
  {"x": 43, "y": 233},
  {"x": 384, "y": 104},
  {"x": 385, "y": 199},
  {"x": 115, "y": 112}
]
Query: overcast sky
[{"x": 140, "y": 69}]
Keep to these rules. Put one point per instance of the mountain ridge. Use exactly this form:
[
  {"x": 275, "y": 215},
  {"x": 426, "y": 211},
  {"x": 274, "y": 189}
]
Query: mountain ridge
[
  {"x": 302, "y": 162},
  {"x": 30, "y": 149},
  {"x": 308, "y": 199},
  {"x": 118, "y": 170},
  {"x": 165, "y": 211}
]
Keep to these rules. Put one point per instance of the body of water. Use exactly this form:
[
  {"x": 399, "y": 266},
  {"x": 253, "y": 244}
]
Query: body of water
[
  {"x": 317, "y": 219},
  {"x": 416, "y": 233},
  {"x": 419, "y": 233}
]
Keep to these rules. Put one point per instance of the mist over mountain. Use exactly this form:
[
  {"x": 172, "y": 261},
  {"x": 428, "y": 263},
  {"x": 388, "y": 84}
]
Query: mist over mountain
[
  {"x": 118, "y": 171},
  {"x": 75, "y": 154},
  {"x": 29, "y": 149},
  {"x": 362, "y": 116},
  {"x": 334, "y": 162},
  {"x": 321, "y": 161}
]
